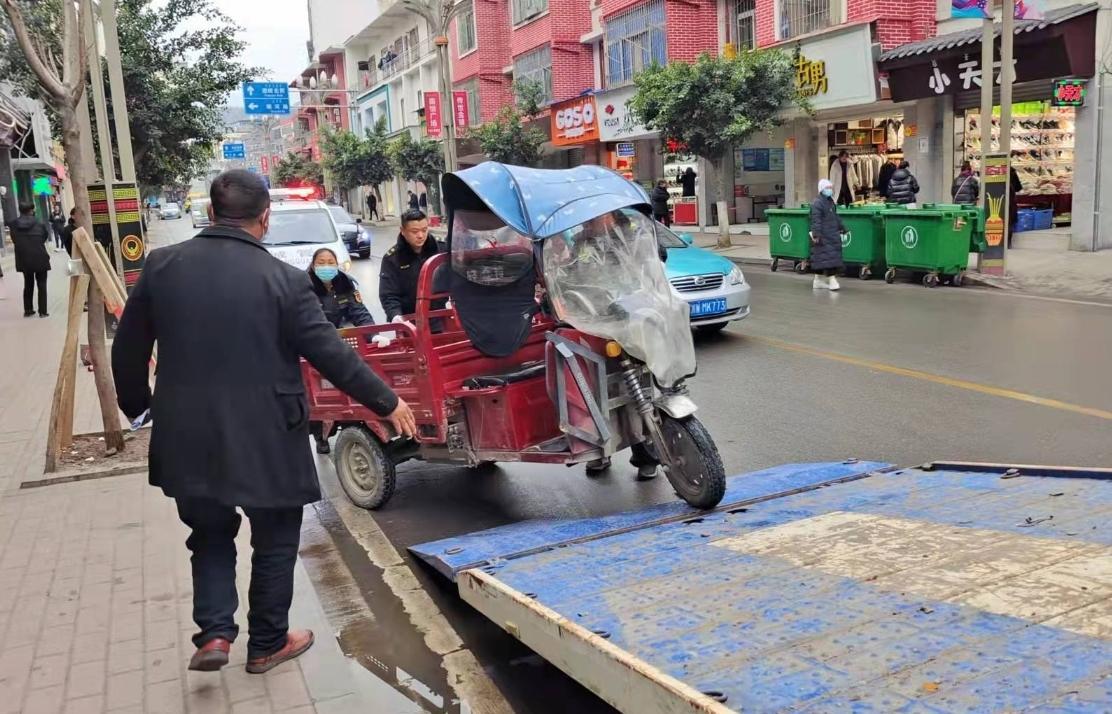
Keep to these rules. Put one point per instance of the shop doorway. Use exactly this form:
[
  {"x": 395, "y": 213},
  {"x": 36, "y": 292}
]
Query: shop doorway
[{"x": 872, "y": 147}]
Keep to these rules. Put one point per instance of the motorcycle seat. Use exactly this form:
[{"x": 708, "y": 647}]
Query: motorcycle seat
[{"x": 522, "y": 373}]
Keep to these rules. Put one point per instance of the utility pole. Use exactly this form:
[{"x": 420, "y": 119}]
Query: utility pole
[{"x": 1007, "y": 44}]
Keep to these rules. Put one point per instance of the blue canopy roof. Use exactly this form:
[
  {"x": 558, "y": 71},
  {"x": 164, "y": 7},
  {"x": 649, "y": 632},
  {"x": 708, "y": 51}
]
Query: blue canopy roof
[{"x": 542, "y": 202}]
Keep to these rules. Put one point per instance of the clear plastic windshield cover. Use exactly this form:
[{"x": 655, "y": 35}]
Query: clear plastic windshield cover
[
  {"x": 486, "y": 251},
  {"x": 605, "y": 278}
]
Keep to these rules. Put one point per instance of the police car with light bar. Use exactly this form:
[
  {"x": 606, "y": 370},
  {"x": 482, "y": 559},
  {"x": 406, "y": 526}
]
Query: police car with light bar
[{"x": 300, "y": 225}]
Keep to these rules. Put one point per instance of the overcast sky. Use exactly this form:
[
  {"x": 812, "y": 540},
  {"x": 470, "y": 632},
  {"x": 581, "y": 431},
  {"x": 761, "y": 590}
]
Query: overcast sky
[{"x": 275, "y": 32}]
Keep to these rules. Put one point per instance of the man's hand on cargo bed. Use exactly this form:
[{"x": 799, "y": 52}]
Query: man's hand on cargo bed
[{"x": 403, "y": 420}]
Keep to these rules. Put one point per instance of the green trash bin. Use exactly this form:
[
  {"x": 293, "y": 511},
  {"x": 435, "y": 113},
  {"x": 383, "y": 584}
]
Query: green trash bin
[
  {"x": 789, "y": 237},
  {"x": 863, "y": 242},
  {"x": 931, "y": 241},
  {"x": 975, "y": 214}
]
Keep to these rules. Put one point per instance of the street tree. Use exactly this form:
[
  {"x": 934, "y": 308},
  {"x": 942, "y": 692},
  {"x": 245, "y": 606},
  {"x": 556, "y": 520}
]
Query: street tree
[
  {"x": 296, "y": 170},
  {"x": 717, "y": 103},
  {"x": 352, "y": 161},
  {"x": 180, "y": 60},
  {"x": 511, "y": 137},
  {"x": 53, "y": 48},
  {"x": 421, "y": 160}
]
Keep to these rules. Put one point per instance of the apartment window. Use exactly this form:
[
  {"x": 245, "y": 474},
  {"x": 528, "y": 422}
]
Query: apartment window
[
  {"x": 536, "y": 66},
  {"x": 465, "y": 28},
  {"x": 745, "y": 22},
  {"x": 635, "y": 41},
  {"x": 799, "y": 17},
  {"x": 471, "y": 87},
  {"x": 527, "y": 9}
]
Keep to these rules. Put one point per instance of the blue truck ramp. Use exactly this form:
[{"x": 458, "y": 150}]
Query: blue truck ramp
[{"x": 834, "y": 587}]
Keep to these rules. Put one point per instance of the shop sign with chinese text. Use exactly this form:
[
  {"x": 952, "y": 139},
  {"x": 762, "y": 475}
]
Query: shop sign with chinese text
[
  {"x": 836, "y": 69},
  {"x": 432, "y": 114},
  {"x": 574, "y": 122},
  {"x": 616, "y": 121}
]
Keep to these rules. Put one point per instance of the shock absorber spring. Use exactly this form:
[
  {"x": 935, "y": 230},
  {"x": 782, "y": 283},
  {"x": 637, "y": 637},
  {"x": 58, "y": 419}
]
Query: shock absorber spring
[{"x": 636, "y": 390}]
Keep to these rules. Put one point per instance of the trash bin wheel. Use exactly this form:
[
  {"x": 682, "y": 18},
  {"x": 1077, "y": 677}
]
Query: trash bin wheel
[
  {"x": 364, "y": 470},
  {"x": 800, "y": 266},
  {"x": 958, "y": 279},
  {"x": 775, "y": 264},
  {"x": 865, "y": 273},
  {"x": 931, "y": 280},
  {"x": 890, "y": 276},
  {"x": 697, "y": 473}
]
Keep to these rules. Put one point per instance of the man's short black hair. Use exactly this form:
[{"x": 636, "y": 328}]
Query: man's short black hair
[
  {"x": 413, "y": 214},
  {"x": 26, "y": 209},
  {"x": 238, "y": 195}
]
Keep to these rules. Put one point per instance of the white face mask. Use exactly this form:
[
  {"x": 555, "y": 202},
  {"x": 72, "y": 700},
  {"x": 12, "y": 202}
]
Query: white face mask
[{"x": 828, "y": 192}]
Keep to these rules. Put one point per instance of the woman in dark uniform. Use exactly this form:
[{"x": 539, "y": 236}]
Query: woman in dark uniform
[{"x": 342, "y": 305}]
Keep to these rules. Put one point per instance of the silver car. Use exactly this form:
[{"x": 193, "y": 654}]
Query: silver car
[{"x": 169, "y": 210}]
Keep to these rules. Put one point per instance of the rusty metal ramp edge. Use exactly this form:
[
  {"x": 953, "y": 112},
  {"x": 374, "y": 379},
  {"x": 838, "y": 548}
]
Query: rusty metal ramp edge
[
  {"x": 450, "y": 555},
  {"x": 915, "y": 590}
]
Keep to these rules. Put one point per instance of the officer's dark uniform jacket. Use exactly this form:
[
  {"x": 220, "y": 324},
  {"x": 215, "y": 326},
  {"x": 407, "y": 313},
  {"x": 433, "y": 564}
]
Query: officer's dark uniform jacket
[
  {"x": 397, "y": 281},
  {"x": 343, "y": 305}
]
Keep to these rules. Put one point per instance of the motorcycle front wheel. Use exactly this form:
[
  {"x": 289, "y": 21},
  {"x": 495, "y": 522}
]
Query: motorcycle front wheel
[{"x": 696, "y": 471}]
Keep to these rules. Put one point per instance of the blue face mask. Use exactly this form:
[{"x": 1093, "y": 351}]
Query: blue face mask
[
  {"x": 828, "y": 192},
  {"x": 327, "y": 273}
]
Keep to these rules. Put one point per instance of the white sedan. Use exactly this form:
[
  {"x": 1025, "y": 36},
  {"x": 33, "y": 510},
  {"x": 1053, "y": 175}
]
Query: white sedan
[{"x": 169, "y": 210}]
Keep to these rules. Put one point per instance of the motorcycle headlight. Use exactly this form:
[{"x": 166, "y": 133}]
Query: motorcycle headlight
[{"x": 736, "y": 276}]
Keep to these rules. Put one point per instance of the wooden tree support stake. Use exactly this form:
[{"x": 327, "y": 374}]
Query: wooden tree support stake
[
  {"x": 103, "y": 276},
  {"x": 60, "y": 433}
]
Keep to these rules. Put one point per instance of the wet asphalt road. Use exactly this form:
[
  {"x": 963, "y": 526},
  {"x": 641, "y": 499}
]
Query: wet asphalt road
[{"x": 898, "y": 373}]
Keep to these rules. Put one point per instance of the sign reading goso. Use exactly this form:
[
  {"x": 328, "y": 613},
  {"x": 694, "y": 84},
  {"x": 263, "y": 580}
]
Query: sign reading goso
[{"x": 574, "y": 122}]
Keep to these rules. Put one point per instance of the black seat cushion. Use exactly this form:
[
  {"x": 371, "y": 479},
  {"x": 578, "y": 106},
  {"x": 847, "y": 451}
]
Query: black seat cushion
[{"x": 522, "y": 373}]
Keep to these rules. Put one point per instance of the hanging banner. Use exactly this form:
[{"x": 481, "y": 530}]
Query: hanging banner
[
  {"x": 264, "y": 164},
  {"x": 432, "y": 114},
  {"x": 995, "y": 179},
  {"x": 982, "y": 9},
  {"x": 460, "y": 114}
]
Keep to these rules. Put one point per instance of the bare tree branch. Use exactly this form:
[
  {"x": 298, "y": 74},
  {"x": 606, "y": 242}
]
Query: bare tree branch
[{"x": 47, "y": 79}]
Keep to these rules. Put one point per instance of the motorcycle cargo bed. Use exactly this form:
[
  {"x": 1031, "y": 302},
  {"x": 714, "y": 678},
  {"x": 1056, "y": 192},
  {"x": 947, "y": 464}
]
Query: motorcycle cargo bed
[{"x": 830, "y": 587}]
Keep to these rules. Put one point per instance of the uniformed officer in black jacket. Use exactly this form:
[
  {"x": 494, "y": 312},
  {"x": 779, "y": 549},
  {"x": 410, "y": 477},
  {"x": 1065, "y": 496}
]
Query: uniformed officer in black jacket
[
  {"x": 401, "y": 266},
  {"x": 339, "y": 298},
  {"x": 342, "y": 305},
  {"x": 231, "y": 420}
]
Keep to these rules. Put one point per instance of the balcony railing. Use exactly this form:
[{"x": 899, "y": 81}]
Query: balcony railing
[{"x": 404, "y": 60}]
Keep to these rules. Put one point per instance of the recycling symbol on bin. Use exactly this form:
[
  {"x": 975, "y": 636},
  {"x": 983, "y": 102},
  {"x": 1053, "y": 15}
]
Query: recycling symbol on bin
[
  {"x": 847, "y": 238},
  {"x": 785, "y": 232},
  {"x": 909, "y": 237}
]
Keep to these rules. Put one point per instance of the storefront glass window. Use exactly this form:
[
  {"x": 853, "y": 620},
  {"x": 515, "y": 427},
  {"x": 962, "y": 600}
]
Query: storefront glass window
[
  {"x": 635, "y": 40},
  {"x": 536, "y": 66},
  {"x": 799, "y": 17}
]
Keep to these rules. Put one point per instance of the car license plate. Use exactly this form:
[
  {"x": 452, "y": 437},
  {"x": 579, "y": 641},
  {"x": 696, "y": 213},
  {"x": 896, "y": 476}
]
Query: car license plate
[{"x": 703, "y": 308}]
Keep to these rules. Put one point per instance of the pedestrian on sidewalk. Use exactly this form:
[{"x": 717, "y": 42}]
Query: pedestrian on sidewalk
[
  {"x": 659, "y": 200},
  {"x": 29, "y": 238},
  {"x": 71, "y": 226},
  {"x": 57, "y": 225},
  {"x": 903, "y": 187},
  {"x": 414, "y": 202},
  {"x": 826, "y": 238},
  {"x": 372, "y": 206},
  {"x": 687, "y": 182},
  {"x": 231, "y": 422},
  {"x": 966, "y": 189}
]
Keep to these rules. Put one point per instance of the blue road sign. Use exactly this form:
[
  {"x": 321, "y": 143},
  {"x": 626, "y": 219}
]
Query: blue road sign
[
  {"x": 266, "y": 98},
  {"x": 235, "y": 151}
]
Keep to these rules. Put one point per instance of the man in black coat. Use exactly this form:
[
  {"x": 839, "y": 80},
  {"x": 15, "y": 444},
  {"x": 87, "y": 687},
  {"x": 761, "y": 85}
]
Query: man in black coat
[
  {"x": 401, "y": 266},
  {"x": 29, "y": 237},
  {"x": 231, "y": 421}
]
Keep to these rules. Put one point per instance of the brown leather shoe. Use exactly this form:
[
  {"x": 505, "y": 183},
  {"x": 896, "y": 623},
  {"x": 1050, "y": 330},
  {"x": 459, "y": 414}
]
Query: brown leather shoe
[
  {"x": 210, "y": 656},
  {"x": 297, "y": 641}
]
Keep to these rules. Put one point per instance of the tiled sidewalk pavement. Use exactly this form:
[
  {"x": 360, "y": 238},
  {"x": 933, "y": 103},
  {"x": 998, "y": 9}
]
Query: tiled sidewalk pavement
[{"x": 94, "y": 576}]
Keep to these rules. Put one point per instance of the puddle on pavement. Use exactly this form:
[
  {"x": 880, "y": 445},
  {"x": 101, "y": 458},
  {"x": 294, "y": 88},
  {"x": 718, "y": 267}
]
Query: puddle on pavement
[{"x": 371, "y": 625}]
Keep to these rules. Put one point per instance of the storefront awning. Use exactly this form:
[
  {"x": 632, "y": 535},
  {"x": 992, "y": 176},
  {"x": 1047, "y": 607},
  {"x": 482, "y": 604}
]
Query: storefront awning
[{"x": 1060, "y": 45}]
